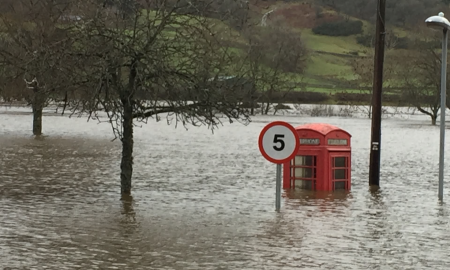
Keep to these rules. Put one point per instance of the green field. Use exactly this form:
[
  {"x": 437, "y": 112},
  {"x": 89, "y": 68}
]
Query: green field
[{"x": 328, "y": 68}]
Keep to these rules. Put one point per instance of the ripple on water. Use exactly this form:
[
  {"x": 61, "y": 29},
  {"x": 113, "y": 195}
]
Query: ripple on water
[{"x": 204, "y": 201}]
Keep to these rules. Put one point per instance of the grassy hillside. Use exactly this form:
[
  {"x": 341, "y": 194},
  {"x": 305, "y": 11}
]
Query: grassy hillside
[{"x": 329, "y": 67}]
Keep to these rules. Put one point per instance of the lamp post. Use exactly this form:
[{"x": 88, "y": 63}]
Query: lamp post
[{"x": 441, "y": 23}]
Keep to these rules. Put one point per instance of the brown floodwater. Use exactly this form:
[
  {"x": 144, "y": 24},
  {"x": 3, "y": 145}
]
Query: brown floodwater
[{"x": 206, "y": 201}]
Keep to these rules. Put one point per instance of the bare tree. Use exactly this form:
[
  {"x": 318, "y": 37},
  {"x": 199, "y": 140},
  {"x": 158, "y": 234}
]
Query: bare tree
[
  {"x": 413, "y": 74},
  {"x": 155, "y": 63},
  {"x": 33, "y": 53},
  {"x": 421, "y": 79},
  {"x": 276, "y": 58},
  {"x": 363, "y": 67}
]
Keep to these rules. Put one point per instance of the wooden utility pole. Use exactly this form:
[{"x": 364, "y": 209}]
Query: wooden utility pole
[{"x": 375, "y": 145}]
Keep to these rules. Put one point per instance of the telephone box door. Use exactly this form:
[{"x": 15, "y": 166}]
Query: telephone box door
[
  {"x": 305, "y": 170},
  {"x": 340, "y": 171}
]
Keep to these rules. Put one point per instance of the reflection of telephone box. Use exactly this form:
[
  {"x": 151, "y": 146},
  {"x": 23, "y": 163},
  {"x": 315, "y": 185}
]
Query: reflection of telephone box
[{"x": 323, "y": 161}]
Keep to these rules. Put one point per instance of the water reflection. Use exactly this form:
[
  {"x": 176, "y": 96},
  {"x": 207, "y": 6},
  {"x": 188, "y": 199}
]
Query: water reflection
[
  {"x": 127, "y": 208},
  {"x": 337, "y": 196},
  {"x": 128, "y": 222},
  {"x": 376, "y": 227},
  {"x": 323, "y": 201}
]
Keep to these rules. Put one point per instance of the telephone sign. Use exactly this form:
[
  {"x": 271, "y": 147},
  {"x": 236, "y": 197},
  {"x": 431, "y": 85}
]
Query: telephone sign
[{"x": 278, "y": 142}]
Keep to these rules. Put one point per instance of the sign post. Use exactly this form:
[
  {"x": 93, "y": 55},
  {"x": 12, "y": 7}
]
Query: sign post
[
  {"x": 278, "y": 143},
  {"x": 278, "y": 188}
]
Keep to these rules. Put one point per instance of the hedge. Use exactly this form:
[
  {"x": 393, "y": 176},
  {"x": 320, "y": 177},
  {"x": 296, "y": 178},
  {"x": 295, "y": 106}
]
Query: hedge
[{"x": 340, "y": 28}]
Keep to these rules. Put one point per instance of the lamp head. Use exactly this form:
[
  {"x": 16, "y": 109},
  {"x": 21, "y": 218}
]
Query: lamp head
[{"x": 438, "y": 22}]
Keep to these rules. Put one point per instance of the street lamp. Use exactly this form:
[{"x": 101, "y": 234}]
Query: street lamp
[{"x": 441, "y": 23}]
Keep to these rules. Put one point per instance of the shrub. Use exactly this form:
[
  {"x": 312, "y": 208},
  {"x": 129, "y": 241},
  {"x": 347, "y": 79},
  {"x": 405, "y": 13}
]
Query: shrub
[
  {"x": 345, "y": 98},
  {"x": 249, "y": 105},
  {"x": 305, "y": 97},
  {"x": 340, "y": 28},
  {"x": 281, "y": 106},
  {"x": 392, "y": 41},
  {"x": 293, "y": 97},
  {"x": 402, "y": 43},
  {"x": 352, "y": 97},
  {"x": 321, "y": 110},
  {"x": 365, "y": 40}
]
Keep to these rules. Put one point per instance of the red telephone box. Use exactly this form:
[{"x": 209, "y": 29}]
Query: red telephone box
[{"x": 323, "y": 161}]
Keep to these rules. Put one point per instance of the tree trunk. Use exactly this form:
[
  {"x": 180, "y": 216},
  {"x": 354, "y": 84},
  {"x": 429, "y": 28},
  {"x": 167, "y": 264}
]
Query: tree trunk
[
  {"x": 37, "y": 106},
  {"x": 266, "y": 111},
  {"x": 433, "y": 114},
  {"x": 126, "y": 165},
  {"x": 253, "y": 103},
  {"x": 37, "y": 120}
]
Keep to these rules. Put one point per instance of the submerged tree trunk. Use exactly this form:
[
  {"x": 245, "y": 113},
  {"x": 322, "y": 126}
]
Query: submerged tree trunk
[
  {"x": 37, "y": 120},
  {"x": 433, "y": 114},
  {"x": 37, "y": 106},
  {"x": 126, "y": 165}
]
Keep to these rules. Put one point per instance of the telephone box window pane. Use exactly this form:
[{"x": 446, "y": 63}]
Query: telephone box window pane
[
  {"x": 339, "y": 185},
  {"x": 303, "y": 184},
  {"x": 304, "y": 161},
  {"x": 339, "y": 174},
  {"x": 309, "y": 161},
  {"x": 303, "y": 172},
  {"x": 340, "y": 162}
]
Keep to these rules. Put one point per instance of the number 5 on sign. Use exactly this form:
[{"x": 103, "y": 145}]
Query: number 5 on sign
[
  {"x": 278, "y": 142},
  {"x": 278, "y": 139}
]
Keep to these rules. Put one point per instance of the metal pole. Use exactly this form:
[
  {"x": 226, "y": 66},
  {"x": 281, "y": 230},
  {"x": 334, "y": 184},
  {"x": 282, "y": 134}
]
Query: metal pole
[
  {"x": 278, "y": 189},
  {"x": 443, "y": 108},
  {"x": 375, "y": 145}
]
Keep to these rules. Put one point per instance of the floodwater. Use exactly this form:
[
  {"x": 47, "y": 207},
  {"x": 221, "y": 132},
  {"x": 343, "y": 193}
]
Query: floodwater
[{"x": 204, "y": 201}]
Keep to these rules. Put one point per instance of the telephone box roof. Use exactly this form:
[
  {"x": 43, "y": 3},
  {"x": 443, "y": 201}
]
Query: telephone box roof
[{"x": 321, "y": 128}]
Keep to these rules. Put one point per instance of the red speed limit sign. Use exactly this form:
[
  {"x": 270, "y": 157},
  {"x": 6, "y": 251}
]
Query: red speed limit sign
[{"x": 278, "y": 142}]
